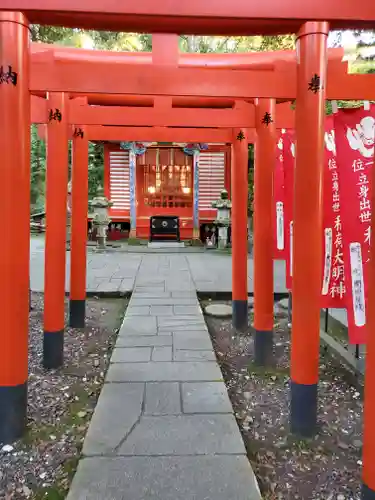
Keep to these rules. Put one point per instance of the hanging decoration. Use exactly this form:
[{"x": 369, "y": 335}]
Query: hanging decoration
[
  {"x": 354, "y": 131},
  {"x": 279, "y": 202},
  {"x": 138, "y": 148},
  {"x": 333, "y": 287},
  {"x": 191, "y": 148}
]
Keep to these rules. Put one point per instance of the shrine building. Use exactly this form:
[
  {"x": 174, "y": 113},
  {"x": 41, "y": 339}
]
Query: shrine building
[{"x": 170, "y": 180}]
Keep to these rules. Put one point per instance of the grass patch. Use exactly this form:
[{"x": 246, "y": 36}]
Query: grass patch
[
  {"x": 134, "y": 242},
  {"x": 84, "y": 400}
]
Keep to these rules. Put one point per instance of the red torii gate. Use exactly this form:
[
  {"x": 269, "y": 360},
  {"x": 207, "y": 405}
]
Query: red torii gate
[
  {"x": 197, "y": 17},
  {"x": 245, "y": 118},
  {"x": 162, "y": 109}
]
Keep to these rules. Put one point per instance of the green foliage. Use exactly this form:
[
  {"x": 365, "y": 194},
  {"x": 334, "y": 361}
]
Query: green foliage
[
  {"x": 225, "y": 44},
  {"x": 103, "y": 40},
  {"x": 38, "y": 170},
  {"x": 96, "y": 167},
  {"x": 49, "y": 34}
]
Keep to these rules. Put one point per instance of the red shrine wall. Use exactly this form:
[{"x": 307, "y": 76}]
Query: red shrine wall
[{"x": 164, "y": 186}]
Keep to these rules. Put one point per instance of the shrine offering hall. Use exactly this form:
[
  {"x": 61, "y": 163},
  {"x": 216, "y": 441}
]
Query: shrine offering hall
[{"x": 165, "y": 186}]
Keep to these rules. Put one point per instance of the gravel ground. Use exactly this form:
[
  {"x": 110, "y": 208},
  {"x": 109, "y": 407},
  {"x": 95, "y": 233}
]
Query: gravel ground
[
  {"x": 327, "y": 467},
  {"x": 60, "y": 404}
]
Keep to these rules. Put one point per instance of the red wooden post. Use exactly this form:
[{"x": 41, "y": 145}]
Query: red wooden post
[
  {"x": 55, "y": 252},
  {"x": 239, "y": 228},
  {"x": 14, "y": 250},
  {"x": 308, "y": 220},
  {"x": 80, "y": 189},
  {"x": 265, "y": 159}
]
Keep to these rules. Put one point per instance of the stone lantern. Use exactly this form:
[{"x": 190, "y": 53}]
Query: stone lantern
[
  {"x": 100, "y": 205},
  {"x": 222, "y": 221}
]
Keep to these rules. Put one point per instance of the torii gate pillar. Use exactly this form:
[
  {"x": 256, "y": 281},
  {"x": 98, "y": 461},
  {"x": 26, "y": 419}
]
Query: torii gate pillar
[
  {"x": 239, "y": 228},
  {"x": 265, "y": 159},
  {"x": 80, "y": 190},
  {"x": 308, "y": 223},
  {"x": 15, "y": 247},
  {"x": 56, "y": 211}
]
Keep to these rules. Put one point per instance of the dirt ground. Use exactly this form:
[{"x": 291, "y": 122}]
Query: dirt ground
[
  {"x": 327, "y": 467},
  {"x": 60, "y": 404}
]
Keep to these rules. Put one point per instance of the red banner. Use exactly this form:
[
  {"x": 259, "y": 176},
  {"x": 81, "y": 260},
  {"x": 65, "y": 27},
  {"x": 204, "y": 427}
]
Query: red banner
[
  {"x": 279, "y": 202},
  {"x": 333, "y": 288},
  {"x": 289, "y": 160},
  {"x": 355, "y": 133}
]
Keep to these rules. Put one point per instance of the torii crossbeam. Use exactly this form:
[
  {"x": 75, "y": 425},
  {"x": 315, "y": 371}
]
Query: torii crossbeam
[{"x": 242, "y": 17}]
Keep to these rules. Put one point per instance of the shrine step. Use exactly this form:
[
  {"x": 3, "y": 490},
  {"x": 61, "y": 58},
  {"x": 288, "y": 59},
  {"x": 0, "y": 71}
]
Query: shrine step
[{"x": 166, "y": 244}]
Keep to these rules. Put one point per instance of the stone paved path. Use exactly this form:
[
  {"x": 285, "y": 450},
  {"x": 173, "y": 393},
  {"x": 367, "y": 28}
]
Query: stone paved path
[
  {"x": 116, "y": 272},
  {"x": 164, "y": 427}
]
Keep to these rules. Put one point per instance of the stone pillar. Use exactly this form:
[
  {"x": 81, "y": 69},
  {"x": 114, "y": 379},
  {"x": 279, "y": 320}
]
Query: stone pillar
[
  {"x": 15, "y": 247},
  {"x": 308, "y": 225}
]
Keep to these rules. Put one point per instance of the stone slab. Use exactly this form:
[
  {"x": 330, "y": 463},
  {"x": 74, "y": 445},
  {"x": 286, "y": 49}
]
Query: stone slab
[
  {"x": 160, "y": 301},
  {"x": 219, "y": 310},
  {"x": 164, "y": 372},
  {"x": 131, "y": 354},
  {"x": 183, "y": 323},
  {"x": 109, "y": 286},
  {"x": 184, "y": 293},
  {"x": 220, "y": 477},
  {"x": 163, "y": 398},
  {"x": 150, "y": 295},
  {"x": 194, "y": 310},
  {"x": 127, "y": 285},
  {"x": 192, "y": 341},
  {"x": 149, "y": 289},
  {"x": 144, "y": 341},
  {"x": 134, "y": 325},
  {"x": 118, "y": 409},
  {"x": 205, "y": 397},
  {"x": 162, "y": 353},
  {"x": 166, "y": 244},
  {"x": 150, "y": 283},
  {"x": 138, "y": 310},
  {"x": 191, "y": 355},
  {"x": 184, "y": 435},
  {"x": 161, "y": 310}
]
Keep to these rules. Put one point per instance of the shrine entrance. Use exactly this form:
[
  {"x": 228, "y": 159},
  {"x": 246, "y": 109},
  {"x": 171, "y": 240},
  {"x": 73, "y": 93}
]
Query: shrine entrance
[{"x": 164, "y": 186}]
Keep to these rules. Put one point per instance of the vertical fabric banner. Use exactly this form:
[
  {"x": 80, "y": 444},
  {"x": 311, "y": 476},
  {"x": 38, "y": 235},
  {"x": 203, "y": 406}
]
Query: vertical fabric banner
[
  {"x": 132, "y": 181},
  {"x": 333, "y": 287},
  {"x": 279, "y": 202},
  {"x": 355, "y": 133},
  {"x": 289, "y": 163},
  {"x": 196, "y": 194}
]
